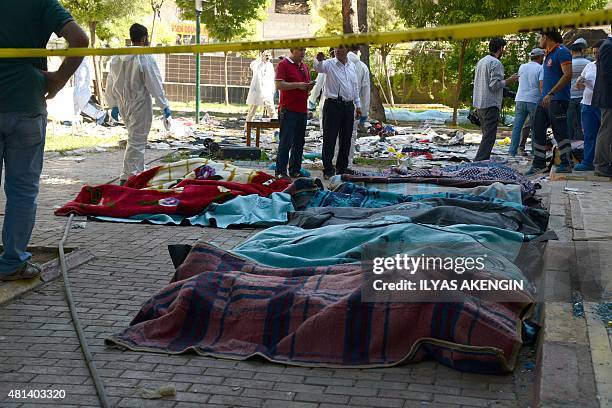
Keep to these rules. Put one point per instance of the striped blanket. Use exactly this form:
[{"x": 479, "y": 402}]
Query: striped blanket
[{"x": 223, "y": 305}]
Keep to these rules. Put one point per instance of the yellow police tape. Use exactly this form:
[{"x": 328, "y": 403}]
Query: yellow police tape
[{"x": 444, "y": 33}]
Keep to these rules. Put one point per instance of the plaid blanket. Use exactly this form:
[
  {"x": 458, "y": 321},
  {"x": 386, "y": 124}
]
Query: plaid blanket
[
  {"x": 462, "y": 175},
  {"x": 222, "y": 305}
]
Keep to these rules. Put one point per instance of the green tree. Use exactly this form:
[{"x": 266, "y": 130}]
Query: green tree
[
  {"x": 226, "y": 20},
  {"x": 381, "y": 16},
  {"x": 421, "y": 13},
  {"x": 93, "y": 13},
  {"x": 542, "y": 7}
]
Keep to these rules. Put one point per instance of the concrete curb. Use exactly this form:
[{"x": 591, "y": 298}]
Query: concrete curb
[
  {"x": 50, "y": 270},
  {"x": 565, "y": 375},
  {"x": 601, "y": 355}
]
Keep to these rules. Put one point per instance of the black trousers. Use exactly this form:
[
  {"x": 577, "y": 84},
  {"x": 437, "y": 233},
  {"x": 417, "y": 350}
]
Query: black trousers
[
  {"x": 338, "y": 119},
  {"x": 489, "y": 119}
]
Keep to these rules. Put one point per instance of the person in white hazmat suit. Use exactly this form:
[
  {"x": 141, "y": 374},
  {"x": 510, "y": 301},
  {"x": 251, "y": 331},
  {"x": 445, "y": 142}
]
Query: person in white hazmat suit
[
  {"x": 318, "y": 94},
  {"x": 261, "y": 92},
  {"x": 132, "y": 80},
  {"x": 82, "y": 94},
  {"x": 363, "y": 81},
  {"x": 82, "y": 90}
]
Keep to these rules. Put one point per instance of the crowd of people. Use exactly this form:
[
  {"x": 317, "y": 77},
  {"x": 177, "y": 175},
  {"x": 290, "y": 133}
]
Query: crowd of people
[
  {"x": 342, "y": 88},
  {"x": 560, "y": 88}
]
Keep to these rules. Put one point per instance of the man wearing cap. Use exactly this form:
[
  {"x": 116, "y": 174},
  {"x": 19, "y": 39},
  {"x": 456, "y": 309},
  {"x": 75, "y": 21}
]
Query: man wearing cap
[
  {"x": 602, "y": 98},
  {"x": 488, "y": 95},
  {"x": 574, "y": 127},
  {"x": 552, "y": 109},
  {"x": 527, "y": 96}
]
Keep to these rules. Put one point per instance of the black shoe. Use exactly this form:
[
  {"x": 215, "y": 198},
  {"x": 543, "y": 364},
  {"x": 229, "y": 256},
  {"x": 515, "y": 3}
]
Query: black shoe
[
  {"x": 26, "y": 271},
  {"x": 327, "y": 176},
  {"x": 605, "y": 171},
  {"x": 295, "y": 175},
  {"x": 282, "y": 176}
]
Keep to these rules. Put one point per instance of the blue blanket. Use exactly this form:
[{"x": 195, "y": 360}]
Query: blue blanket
[{"x": 253, "y": 210}]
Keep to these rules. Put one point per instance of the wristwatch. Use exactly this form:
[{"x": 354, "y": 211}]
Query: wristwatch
[{"x": 551, "y": 94}]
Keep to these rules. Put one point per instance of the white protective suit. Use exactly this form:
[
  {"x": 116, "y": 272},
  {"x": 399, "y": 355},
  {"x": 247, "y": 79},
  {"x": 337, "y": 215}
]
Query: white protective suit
[
  {"x": 82, "y": 90},
  {"x": 132, "y": 80},
  {"x": 261, "y": 92},
  {"x": 363, "y": 81},
  {"x": 319, "y": 89}
]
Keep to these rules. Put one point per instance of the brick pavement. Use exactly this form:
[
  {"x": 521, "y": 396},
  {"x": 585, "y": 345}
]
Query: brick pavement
[{"x": 39, "y": 348}]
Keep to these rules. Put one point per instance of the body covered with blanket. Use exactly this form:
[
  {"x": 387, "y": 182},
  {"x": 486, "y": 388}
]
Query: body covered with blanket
[
  {"x": 295, "y": 296},
  {"x": 183, "y": 188}
]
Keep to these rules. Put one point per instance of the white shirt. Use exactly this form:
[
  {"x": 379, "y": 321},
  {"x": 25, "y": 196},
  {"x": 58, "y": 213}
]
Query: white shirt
[
  {"x": 588, "y": 73},
  {"x": 340, "y": 80},
  {"x": 529, "y": 83}
]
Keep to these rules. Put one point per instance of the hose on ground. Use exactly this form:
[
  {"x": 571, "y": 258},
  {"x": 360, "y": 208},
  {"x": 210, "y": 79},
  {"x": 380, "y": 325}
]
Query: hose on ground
[{"x": 76, "y": 322}]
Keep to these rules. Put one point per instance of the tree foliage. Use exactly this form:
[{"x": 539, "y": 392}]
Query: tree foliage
[
  {"x": 112, "y": 17},
  {"x": 226, "y": 20},
  {"x": 540, "y": 7}
]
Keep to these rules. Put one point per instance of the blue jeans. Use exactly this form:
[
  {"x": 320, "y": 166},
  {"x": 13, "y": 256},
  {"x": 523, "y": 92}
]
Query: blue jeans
[
  {"x": 22, "y": 145},
  {"x": 591, "y": 120},
  {"x": 522, "y": 110},
  {"x": 292, "y": 135}
]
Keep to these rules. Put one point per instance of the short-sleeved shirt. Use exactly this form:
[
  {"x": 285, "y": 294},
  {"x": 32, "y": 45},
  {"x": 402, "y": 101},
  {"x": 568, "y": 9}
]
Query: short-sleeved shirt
[
  {"x": 552, "y": 72},
  {"x": 529, "y": 83},
  {"x": 27, "y": 24},
  {"x": 294, "y": 100},
  {"x": 589, "y": 73},
  {"x": 578, "y": 65}
]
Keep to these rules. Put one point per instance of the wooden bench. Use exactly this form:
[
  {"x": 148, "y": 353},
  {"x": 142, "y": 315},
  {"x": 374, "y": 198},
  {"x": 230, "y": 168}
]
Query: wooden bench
[{"x": 258, "y": 126}]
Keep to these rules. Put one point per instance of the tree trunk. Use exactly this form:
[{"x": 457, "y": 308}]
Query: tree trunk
[
  {"x": 153, "y": 28},
  {"x": 362, "y": 23},
  {"x": 377, "y": 110},
  {"x": 386, "y": 72},
  {"x": 464, "y": 44},
  {"x": 225, "y": 76},
  {"x": 96, "y": 66},
  {"x": 349, "y": 16}
]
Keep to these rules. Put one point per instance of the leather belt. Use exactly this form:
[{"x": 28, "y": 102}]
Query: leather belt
[{"x": 340, "y": 101}]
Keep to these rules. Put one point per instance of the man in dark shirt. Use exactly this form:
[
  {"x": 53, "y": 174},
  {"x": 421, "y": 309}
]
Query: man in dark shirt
[
  {"x": 24, "y": 86},
  {"x": 552, "y": 109},
  {"x": 602, "y": 98},
  {"x": 293, "y": 81}
]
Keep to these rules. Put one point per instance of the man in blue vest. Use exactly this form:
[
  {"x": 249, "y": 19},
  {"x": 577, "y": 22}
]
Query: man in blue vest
[{"x": 552, "y": 109}]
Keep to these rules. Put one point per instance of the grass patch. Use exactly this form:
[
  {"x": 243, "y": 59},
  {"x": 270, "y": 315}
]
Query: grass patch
[
  {"x": 209, "y": 107},
  {"x": 64, "y": 143}
]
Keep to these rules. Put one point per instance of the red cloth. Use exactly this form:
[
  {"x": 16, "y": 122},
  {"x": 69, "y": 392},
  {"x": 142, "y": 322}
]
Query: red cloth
[
  {"x": 294, "y": 100},
  {"x": 189, "y": 198}
]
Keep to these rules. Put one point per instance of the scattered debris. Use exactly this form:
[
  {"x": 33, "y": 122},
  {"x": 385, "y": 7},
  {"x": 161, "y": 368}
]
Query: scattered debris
[
  {"x": 577, "y": 305},
  {"x": 160, "y": 392}
]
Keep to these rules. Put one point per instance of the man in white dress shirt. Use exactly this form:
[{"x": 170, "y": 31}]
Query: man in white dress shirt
[{"x": 342, "y": 106}]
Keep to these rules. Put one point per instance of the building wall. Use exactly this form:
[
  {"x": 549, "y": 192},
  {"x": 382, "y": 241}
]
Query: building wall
[{"x": 179, "y": 78}]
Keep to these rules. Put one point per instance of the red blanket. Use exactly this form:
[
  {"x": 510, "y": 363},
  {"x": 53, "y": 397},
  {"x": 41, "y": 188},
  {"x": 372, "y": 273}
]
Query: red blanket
[{"x": 188, "y": 198}]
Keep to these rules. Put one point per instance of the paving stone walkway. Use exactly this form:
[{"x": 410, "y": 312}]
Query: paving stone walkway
[{"x": 39, "y": 348}]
